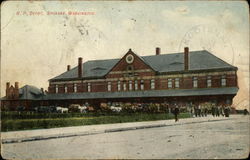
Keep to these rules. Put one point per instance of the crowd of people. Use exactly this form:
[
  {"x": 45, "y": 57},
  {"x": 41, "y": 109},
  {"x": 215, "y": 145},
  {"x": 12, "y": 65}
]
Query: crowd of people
[{"x": 203, "y": 109}]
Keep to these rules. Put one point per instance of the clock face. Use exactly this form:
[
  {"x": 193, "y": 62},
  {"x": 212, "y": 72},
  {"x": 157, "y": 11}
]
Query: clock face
[{"x": 129, "y": 58}]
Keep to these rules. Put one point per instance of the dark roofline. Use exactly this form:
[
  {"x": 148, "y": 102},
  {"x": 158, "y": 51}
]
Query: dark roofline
[
  {"x": 145, "y": 94},
  {"x": 157, "y": 73},
  {"x": 141, "y": 57}
]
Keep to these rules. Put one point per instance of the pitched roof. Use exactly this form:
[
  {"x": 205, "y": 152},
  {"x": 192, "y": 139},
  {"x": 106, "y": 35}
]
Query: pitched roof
[
  {"x": 198, "y": 60},
  {"x": 148, "y": 93},
  {"x": 30, "y": 92}
]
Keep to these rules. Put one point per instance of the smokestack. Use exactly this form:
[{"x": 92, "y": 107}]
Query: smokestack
[
  {"x": 7, "y": 88},
  {"x": 186, "y": 58},
  {"x": 16, "y": 85},
  {"x": 68, "y": 67},
  {"x": 158, "y": 51},
  {"x": 80, "y": 67},
  {"x": 7, "y": 85}
]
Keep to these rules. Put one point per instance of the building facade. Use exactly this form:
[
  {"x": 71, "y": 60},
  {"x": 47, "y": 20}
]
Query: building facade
[
  {"x": 185, "y": 78},
  {"x": 24, "y": 98}
]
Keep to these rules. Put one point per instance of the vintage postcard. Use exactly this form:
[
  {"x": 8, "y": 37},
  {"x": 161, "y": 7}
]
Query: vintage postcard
[{"x": 124, "y": 79}]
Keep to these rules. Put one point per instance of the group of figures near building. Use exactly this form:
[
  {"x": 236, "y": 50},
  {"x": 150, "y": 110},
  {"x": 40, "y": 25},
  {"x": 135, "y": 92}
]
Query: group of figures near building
[
  {"x": 203, "y": 109},
  {"x": 196, "y": 110}
]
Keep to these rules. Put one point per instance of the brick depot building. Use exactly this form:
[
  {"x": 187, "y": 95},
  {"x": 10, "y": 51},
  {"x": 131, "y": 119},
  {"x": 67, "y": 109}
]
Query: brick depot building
[{"x": 182, "y": 78}]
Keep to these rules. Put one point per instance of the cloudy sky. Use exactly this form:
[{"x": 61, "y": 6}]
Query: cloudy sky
[{"x": 35, "y": 48}]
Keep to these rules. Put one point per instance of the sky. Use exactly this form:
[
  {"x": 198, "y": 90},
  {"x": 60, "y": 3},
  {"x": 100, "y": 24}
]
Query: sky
[{"x": 36, "y": 48}]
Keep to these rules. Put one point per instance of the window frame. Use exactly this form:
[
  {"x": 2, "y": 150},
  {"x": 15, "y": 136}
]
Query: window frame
[
  {"x": 175, "y": 82},
  {"x": 89, "y": 87},
  {"x": 195, "y": 82},
  {"x": 170, "y": 83},
  {"x": 152, "y": 84},
  {"x": 109, "y": 86},
  {"x": 142, "y": 84}
]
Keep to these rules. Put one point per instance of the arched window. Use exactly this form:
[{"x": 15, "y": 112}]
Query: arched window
[
  {"x": 124, "y": 86},
  {"x": 75, "y": 87},
  {"x": 119, "y": 85},
  {"x": 195, "y": 82},
  {"x": 130, "y": 87},
  {"x": 177, "y": 83},
  {"x": 109, "y": 86},
  {"x": 89, "y": 87},
  {"x": 136, "y": 85},
  {"x": 152, "y": 84},
  {"x": 65, "y": 89},
  {"x": 209, "y": 81},
  {"x": 56, "y": 88},
  {"x": 223, "y": 81},
  {"x": 142, "y": 84},
  {"x": 170, "y": 85}
]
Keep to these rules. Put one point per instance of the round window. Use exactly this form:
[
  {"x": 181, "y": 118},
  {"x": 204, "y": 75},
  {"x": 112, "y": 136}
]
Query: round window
[{"x": 129, "y": 58}]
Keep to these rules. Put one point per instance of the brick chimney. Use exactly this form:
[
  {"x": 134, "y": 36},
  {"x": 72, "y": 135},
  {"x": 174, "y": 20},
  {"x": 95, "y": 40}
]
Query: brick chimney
[
  {"x": 16, "y": 92},
  {"x": 16, "y": 85},
  {"x": 68, "y": 67},
  {"x": 186, "y": 58},
  {"x": 80, "y": 67},
  {"x": 7, "y": 88},
  {"x": 157, "y": 51}
]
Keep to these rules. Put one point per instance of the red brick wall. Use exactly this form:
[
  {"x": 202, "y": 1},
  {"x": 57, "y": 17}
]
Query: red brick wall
[
  {"x": 202, "y": 82},
  {"x": 231, "y": 80},
  {"x": 185, "y": 83}
]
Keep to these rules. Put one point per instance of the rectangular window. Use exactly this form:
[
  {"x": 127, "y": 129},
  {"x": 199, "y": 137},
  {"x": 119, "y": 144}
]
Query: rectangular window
[
  {"x": 142, "y": 85},
  {"x": 152, "y": 84},
  {"x": 124, "y": 86},
  {"x": 195, "y": 82},
  {"x": 170, "y": 85},
  {"x": 209, "y": 81},
  {"x": 177, "y": 83},
  {"x": 56, "y": 88},
  {"x": 89, "y": 87},
  {"x": 109, "y": 86},
  {"x": 75, "y": 87},
  {"x": 136, "y": 85},
  {"x": 119, "y": 85},
  {"x": 223, "y": 81},
  {"x": 65, "y": 89},
  {"x": 130, "y": 85}
]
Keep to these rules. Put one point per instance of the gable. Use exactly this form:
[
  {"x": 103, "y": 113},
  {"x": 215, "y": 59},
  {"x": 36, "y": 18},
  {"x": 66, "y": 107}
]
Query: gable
[{"x": 130, "y": 59}]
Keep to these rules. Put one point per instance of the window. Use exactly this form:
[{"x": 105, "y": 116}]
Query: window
[
  {"x": 209, "y": 81},
  {"x": 130, "y": 87},
  {"x": 152, "y": 84},
  {"x": 89, "y": 87},
  {"x": 136, "y": 85},
  {"x": 130, "y": 70},
  {"x": 56, "y": 88},
  {"x": 124, "y": 86},
  {"x": 170, "y": 83},
  {"x": 142, "y": 84},
  {"x": 65, "y": 89},
  {"x": 119, "y": 85},
  {"x": 75, "y": 87},
  {"x": 109, "y": 86},
  {"x": 223, "y": 81},
  {"x": 195, "y": 82},
  {"x": 177, "y": 83}
]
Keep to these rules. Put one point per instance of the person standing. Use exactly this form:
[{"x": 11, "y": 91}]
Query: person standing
[
  {"x": 213, "y": 110},
  {"x": 227, "y": 110},
  {"x": 176, "y": 112}
]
